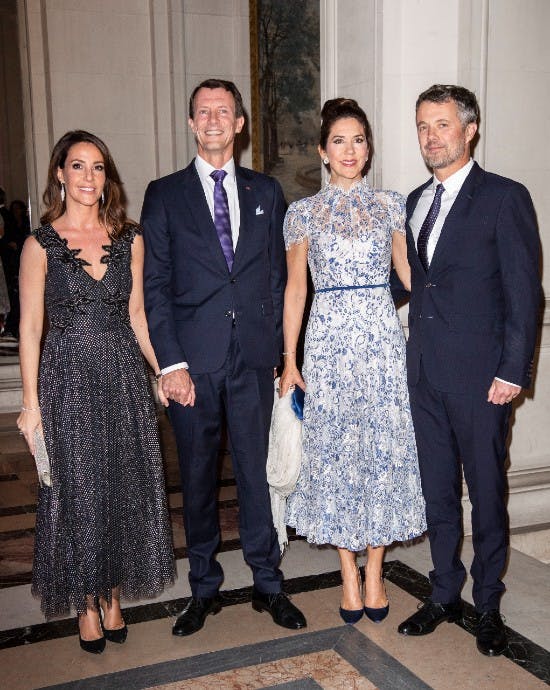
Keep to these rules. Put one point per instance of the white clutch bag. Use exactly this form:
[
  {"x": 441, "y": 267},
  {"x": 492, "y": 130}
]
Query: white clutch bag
[
  {"x": 42, "y": 460},
  {"x": 284, "y": 459}
]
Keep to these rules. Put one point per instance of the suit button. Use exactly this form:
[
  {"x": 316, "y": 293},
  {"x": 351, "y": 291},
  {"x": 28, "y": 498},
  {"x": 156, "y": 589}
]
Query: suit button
[
  {"x": 233, "y": 280},
  {"x": 228, "y": 313}
]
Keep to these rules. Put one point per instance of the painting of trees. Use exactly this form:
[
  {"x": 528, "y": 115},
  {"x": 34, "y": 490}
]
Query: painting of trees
[{"x": 288, "y": 74}]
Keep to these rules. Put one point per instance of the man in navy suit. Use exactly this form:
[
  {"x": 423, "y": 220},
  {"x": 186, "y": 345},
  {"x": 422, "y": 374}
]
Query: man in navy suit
[
  {"x": 214, "y": 279},
  {"x": 473, "y": 248}
]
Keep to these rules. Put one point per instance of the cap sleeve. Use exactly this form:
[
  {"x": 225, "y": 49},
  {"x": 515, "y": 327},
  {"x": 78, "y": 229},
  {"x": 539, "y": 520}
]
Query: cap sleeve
[
  {"x": 396, "y": 212},
  {"x": 296, "y": 225}
]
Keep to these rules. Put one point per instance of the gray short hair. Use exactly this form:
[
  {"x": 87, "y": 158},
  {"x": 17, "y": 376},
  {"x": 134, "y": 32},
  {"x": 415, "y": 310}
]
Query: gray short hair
[{"x": 466, "y": 102}]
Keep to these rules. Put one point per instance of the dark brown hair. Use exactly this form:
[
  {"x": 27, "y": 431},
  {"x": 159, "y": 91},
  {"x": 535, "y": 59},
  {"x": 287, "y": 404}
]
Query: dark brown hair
[
  {"x": 112, "y": 212},
  {"x": 466, "y": 102},
  {"x": 338, "y": 108},
  {"x": 218, "y": 84}
]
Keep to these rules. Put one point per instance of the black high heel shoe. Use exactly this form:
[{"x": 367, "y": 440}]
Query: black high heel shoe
[
  {"x": 352, "y": 616},
  {"x": 92, "y": 646},
  {"x": 117, "y": 635},
  {"x": 377, "y": 615}
]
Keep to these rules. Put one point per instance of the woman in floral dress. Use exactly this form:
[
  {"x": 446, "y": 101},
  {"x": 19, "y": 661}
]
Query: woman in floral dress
[{"x": 359, "y": 485}]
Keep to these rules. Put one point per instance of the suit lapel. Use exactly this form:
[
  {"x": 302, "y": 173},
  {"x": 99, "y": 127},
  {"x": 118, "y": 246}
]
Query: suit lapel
[
  {"x": 196, "y": 202},
  {"x": 458, "y": 210},
  {"x": 411, "y": 205},
  {"x": 247, "y": 209}
]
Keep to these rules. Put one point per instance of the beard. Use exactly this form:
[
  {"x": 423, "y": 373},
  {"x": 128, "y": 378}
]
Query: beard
[{"x": 445, "y": 157}]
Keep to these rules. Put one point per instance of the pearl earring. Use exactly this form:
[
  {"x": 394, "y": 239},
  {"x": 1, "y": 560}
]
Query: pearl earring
[
  {"x": 62, "y": 192},
  {"x": 325, "y": 160}
]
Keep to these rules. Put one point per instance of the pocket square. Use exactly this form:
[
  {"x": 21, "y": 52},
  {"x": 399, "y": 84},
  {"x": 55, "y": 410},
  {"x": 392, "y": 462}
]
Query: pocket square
[{"x": 259, "y": 211}]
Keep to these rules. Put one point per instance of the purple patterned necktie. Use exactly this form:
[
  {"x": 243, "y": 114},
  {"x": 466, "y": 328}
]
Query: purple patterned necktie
[
  {"x": 427, "y": 226},
  {"x": 222, "y": 220}
]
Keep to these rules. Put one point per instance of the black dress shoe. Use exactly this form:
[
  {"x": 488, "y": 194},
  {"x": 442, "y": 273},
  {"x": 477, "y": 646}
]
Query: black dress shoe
[
  {"x": 192, "y": 618},
  {"x": 491, "y": 634},
  {"x": 428, "y": 617},
  {"x": 278, "y": 605}
]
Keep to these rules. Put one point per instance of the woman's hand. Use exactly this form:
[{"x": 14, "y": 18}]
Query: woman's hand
[
  {"x": 162, "y": 398},
  {"x": 28, "y": 422},
  {"x": 290, "y": 377}
]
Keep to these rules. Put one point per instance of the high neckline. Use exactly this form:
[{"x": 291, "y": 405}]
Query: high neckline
[{"x": 358, "y": 186}]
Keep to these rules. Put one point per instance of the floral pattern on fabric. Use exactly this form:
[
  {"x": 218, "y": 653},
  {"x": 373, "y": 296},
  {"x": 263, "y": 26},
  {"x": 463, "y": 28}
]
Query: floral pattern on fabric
[{"x": 359, "y": 482}]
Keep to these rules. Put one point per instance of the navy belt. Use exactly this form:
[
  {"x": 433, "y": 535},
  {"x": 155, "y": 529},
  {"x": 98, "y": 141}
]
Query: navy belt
[{"x": 352, "y": 287}]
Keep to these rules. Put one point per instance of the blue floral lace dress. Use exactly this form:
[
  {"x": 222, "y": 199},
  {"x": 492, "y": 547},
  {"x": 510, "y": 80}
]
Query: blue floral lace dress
[
  {"x": 104, "y": 521},
  {"x": 359, "y": 482}
]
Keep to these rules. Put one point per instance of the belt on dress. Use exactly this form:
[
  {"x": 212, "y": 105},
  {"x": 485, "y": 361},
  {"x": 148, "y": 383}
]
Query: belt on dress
[{"x": 352, "y": 287}]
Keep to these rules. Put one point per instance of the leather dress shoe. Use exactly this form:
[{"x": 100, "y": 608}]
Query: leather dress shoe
[
  {"x": 428, "y": 617},
  {"x": 491, "y": 634},
  {"x": 192, "y": 618},
  {"x": 282, "y": 611}
]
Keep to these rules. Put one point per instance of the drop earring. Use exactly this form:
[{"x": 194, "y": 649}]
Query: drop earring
[
  {"x": 62, "y": 192},
  {"x": 102, "y": 198}
]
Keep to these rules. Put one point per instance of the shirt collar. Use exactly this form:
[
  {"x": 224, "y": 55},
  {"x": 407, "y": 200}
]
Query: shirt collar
[
  {"x": 204, "y": 169},
  {"x": 455, "y": 181}
]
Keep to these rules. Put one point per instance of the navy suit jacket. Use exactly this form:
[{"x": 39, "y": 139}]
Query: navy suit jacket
[
  {"x": 190, "y": 295},
  {"x": 473, "y": 315}
]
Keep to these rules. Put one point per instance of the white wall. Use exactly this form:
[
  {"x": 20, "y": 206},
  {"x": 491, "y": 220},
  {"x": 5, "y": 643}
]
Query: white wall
[{"x": 123, "y": 69}]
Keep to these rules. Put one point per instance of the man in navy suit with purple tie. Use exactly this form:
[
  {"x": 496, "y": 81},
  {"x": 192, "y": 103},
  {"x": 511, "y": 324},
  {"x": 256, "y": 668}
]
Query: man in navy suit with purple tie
[
  {"x": 474, "y": 250},
  {"x": 214, "y": 279}
]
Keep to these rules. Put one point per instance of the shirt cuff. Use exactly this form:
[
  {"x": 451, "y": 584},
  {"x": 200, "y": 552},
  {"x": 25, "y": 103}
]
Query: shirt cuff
[
  {"x": 174, "y": 367},
  {"x": 508, "y": 382}
]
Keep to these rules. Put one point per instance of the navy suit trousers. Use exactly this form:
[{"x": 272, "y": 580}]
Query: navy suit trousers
[
  {"x": 245, "y": 397},
  {"x": 451, "y": 429}
]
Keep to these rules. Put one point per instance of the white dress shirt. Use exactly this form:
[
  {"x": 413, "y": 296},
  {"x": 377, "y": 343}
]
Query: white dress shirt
[
  {"x": 230, "y": 185},
  {"x": 452, "y": 186}
]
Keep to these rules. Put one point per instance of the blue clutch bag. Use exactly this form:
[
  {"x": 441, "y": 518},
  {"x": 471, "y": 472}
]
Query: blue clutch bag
[{"x": 297, "y": 402}]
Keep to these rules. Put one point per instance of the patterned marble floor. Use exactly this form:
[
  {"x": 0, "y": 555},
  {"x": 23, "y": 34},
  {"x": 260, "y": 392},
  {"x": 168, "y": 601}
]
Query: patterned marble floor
[{"x": 240, "y": 648}]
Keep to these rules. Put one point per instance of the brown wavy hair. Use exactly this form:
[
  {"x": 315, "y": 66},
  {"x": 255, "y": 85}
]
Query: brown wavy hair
[
  {"x": 336, "y": 109},
  {"x": 112, "y": 212}
]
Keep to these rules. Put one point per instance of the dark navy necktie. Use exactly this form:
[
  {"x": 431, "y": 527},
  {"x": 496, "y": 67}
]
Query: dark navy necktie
[
  {"x": 222, "y": 220},
  {"x": 427, "y": 226}
]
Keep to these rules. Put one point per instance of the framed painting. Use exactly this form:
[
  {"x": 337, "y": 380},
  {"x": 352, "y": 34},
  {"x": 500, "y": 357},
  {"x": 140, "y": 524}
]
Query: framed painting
[{"x": 285, "y": 93}]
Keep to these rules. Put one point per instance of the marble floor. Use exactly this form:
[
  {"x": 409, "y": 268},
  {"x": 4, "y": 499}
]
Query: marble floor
[{"x": 240, "y": 648}]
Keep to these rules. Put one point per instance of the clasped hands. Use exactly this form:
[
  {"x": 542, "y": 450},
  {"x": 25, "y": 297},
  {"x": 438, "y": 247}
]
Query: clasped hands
[{"x": 177, "y": 386}]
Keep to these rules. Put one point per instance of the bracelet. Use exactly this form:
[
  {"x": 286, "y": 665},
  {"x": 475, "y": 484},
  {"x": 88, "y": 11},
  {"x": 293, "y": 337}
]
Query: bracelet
[
  {"x": 30, "y": 409},
  {"x": 158, "y": 376},
  {"x": 289, "y": 353}
]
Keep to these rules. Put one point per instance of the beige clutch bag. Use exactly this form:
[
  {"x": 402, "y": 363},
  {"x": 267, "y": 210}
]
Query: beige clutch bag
[{"x": 42, "y": 460}]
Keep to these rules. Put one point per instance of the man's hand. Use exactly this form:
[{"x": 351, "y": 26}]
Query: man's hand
[
  {"x": 178, "y": 386},
  {"x": 501, "y": 393}
]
